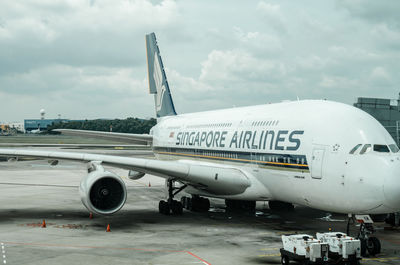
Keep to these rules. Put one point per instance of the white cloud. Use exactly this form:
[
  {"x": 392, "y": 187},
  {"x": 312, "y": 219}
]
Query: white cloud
[
  {"x": 65, "y": 54},
  {"x": 258, "y": 43},
  {"x": 386, "y": 36},
  {"x": 79, "y": 32},
  {"x": 380, "y": 74},
  {"x": 336, "y": 82},
  {"x": 272, "y": 14},
  {"x": 237, "y": 65},
  {"x": 373, "y": 11}
]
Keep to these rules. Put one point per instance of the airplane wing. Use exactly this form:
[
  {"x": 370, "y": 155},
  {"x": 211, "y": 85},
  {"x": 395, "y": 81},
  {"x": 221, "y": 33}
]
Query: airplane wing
[
  {"x": 78, "y": 146},
  {"x": 144, "y": 139},
  {"x": 211, "y": 178}
]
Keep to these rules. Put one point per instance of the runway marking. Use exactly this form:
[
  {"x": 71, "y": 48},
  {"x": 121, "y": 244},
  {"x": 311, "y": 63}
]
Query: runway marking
[
  {"x": 3, "y": 252},
  {"x": 113, "y": 248},
  {"x": 197, "y": 257}
]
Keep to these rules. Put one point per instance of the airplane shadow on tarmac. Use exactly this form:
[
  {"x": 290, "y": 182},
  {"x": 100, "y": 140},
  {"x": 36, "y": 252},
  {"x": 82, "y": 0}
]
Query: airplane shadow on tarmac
[{"x": 301, "y": 219}]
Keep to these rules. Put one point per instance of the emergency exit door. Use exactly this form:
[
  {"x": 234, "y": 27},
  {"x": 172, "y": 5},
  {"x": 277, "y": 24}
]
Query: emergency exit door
[{"x": 317, "y": 161}]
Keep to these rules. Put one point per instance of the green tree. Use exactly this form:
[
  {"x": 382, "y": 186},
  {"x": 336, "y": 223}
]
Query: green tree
[{"x": 129, "y": 125}]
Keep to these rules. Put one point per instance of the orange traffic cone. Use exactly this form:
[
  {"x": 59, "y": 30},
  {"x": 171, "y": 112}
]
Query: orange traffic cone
[
  {"x": 149, "y": 184},
  {"x": 108, "y": 228},
  {"x": 91, "y": 216},
  {"x": 44, "y": 224}
]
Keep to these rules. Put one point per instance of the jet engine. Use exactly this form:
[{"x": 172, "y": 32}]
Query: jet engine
[{"x": 101, "y": 191}]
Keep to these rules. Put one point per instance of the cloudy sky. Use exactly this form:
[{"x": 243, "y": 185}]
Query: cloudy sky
[{"x": 86, "y": 58}]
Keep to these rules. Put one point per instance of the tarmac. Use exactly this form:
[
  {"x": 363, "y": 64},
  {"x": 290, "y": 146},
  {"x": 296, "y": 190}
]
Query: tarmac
[{"x": 33, "y": 191}]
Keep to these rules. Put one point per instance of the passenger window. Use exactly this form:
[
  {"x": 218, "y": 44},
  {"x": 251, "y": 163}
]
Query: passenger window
[
  {"x": 393, "y": 148},
  {"x": 381, "y": 148},
  {"x": 352, "y": 151},
  {"x": 366, "y": 148}
]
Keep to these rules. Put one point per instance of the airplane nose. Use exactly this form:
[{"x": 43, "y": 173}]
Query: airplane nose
[{"x": 391, "y": 190}]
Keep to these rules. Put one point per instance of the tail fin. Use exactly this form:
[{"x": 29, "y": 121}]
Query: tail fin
[{"x": 157, "y": 79}]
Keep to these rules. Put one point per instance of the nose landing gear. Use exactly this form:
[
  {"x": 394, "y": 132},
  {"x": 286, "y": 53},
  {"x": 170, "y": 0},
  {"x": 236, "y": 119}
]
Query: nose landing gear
[{"x": 368, "y": 243}]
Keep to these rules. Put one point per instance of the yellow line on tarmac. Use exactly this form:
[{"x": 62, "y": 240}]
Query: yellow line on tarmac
[
  {"x": 383, "y": 259},
  {"x": 269, "y": 249},
  {"x": 270, "y": 255}
]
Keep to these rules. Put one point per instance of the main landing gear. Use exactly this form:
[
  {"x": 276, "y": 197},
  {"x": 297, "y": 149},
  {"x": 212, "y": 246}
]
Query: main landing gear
[
  {"x": 170, "y": 205},
  {"x": 195, "y": 203},
  {"x": 238, "y": 206},
  {"x": 368, "y": 243},
  {"x": 279, "y": 206}
]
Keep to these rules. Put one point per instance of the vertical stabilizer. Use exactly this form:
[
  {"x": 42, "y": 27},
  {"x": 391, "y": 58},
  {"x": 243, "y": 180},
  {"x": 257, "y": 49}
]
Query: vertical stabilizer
[{"x": 158, "y": 84}]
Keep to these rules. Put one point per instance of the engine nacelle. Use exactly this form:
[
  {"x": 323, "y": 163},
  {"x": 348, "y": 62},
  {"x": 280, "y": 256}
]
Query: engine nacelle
[{"x": 101, "y": 191}]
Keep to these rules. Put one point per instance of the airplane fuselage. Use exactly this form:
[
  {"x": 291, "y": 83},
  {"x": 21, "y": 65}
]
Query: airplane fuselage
[{"x": 297, "y": 152}]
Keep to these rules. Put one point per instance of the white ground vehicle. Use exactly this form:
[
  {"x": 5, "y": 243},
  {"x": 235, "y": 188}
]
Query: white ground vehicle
[
  {"x": 303, "y": 248},
  {"x": 342, "y": 247}
]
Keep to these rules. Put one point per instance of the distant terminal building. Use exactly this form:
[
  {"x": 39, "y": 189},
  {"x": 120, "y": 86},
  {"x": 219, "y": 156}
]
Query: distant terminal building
[
  {"x": 11, "y": 128},
  {"x": 386, "y": 111},
  {"x": 18, "y": 126},
  {"x": 41, "y": 125}
]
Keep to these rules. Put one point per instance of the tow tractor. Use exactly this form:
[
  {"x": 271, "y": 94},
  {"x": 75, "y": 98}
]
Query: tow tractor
[
  {"x": 304, "y": 249},
  {"x": 327, "y": 248},
  {"x": 342, "y": 248}
]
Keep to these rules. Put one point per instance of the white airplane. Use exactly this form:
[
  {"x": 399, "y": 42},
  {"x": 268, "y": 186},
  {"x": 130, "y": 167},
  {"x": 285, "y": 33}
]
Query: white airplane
[
  {"x": 317, "y": 153},
  {"x": 36, "y": 131}
]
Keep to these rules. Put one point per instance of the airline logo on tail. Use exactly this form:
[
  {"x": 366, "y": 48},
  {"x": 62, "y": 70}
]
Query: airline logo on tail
[
  {"x": 158, "y": 83},
  {"x": 158, "y": 78}
]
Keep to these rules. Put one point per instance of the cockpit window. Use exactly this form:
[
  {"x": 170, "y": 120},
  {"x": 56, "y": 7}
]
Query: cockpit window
[
  {"x": 393, "y": 148},
  {"x": 366, "y": 148},
  {"x": 381, "y": 148},
  {"x": 354, "y": 149}
]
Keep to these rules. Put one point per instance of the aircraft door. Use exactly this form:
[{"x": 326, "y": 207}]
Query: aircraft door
[{"x": 317, "y": 161}]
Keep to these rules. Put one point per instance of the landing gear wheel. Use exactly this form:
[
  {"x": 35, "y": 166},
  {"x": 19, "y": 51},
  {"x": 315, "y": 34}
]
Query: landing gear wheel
[
  {"x": 280, "y": 206},
  {"x": 284, "y": 260},
  {"x": 186, "y": 203},
  {"x": 199, "y": 204},
  {"x": 196, "y": 204},
  {"x": 238, "y": 206},
  {"x": 373, "y": 246},
  {"x": 163, "y": 208},
  {"x": 363, "y": 245},
  {"x": 205, "y": 204},
  {"x": 176, "y": 207},
  {"x": 171, "y": 205}
]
